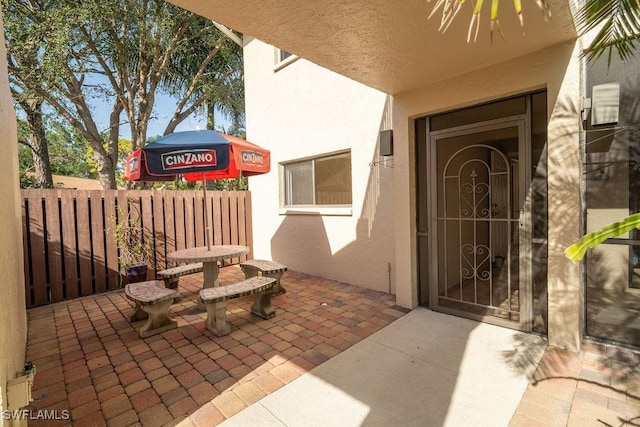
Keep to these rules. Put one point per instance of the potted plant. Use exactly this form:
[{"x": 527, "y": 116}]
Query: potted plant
[{"x": 134, "y": 245}]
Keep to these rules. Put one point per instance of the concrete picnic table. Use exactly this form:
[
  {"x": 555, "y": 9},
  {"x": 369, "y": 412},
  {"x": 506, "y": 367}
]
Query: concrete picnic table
[{"x": 209, "y": 259}]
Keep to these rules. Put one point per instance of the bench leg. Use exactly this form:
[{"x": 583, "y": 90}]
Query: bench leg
[
  {"x": 249, "y": 272},
  {"x": 173, "y": 284},
  {"x": 217, "y": 319},
  {"x": 158, "y": 320},
  {"x": 277, "y": 289},
  {"x": 262, "y": 305},
  {"x": 138, "y": 314}
]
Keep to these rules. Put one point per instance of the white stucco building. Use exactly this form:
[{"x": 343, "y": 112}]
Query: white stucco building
[
  {"x": 495, "y": 167},
  {"x": 484, "y": 189}
]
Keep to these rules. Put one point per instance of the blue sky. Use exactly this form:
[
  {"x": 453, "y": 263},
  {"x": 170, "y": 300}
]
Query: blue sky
[{"x": 164, "y": 107}]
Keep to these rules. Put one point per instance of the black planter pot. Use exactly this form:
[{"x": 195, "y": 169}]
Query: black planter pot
[{"x": 136, "y": 273}]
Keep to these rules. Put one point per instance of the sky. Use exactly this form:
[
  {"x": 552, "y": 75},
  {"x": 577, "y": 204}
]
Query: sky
[{"x": 164, "y": 107}]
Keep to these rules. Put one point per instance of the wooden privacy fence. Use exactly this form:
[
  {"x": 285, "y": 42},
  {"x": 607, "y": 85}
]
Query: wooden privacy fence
[{"x": 69, "y": 250}]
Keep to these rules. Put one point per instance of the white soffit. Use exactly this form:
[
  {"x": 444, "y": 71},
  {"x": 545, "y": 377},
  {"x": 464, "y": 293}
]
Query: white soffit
[{"x": 389, "y": 45}]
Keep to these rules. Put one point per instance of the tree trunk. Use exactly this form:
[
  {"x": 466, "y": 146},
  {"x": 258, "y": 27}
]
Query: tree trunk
[
  {"x": 38, "y": 143},
  {"x": 106, "y": 172},
  {"x": 211, "y": 118}
]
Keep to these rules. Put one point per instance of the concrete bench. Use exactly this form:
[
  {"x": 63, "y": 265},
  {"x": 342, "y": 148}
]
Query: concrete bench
[
  {"x": 215, "y": 300},
  {"x": 152, "y": 303},
  {"x": 171, "y": 276},
  {"x": 273, "y": 269}
]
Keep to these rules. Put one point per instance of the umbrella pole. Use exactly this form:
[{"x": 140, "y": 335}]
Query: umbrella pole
[{"x": 206, "y": 214}]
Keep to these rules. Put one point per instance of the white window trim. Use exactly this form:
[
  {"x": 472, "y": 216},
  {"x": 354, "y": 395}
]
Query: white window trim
[
  {"x": 323, "y": 210},
  {"x": 316, "y": 210},
  {"x": 281, "y": 64}
]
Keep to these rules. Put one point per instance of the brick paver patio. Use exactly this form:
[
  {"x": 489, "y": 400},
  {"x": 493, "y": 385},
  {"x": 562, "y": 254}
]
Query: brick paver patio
[
  {"x": 599, "y": 386},
  {"x": 91, "y": 362}
]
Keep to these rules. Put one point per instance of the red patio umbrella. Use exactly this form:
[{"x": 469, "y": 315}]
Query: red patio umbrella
[{"x": 197, "y": 155}]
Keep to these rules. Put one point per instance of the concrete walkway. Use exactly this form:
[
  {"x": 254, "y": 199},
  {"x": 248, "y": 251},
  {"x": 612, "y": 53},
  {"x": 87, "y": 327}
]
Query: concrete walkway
[{"x": 424, "y": 369}]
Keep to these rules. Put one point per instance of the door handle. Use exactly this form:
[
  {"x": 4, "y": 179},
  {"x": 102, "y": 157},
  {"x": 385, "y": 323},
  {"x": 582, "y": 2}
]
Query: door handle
[{"x": 521, "y": 218}]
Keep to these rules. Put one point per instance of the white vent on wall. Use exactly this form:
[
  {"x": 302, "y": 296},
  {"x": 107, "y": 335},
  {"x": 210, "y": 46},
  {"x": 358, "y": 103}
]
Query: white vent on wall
[{"x": 605, "y": 104}]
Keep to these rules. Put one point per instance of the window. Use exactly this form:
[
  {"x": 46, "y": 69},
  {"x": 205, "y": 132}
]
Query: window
[
  {"x": 320, "y": 181},
  {"x": 283, "y": 54},
  {"x": 282, "y": 58},
  {"x": 612, "y": 181}
]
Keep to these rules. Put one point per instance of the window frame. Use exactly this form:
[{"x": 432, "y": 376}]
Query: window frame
[
  {"x": 280, "y": 63},
  {"x": 313, "y": 209}
]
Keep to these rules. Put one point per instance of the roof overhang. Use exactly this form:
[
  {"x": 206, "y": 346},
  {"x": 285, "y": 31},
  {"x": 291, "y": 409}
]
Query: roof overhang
[{"x": 390, "y": 45}]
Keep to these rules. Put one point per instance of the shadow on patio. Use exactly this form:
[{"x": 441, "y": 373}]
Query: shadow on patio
[{"x": 91, "y": 361}]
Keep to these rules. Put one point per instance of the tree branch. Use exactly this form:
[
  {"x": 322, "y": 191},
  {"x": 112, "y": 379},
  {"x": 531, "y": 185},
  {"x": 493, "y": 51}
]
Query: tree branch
[
  {"x": 179, "y": 117},
  {"x": 196, "y": 79}
]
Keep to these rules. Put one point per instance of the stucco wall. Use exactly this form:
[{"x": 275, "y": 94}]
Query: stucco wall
[
  {"x": 304, "y": 110},
  {"x": 13, "y": 317},
  {"x": 557, "y": 69}
]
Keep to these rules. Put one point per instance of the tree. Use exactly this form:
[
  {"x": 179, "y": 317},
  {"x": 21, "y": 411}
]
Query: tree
[
  {"x": 68, "y": 53},
  {"x": 32, "y": 135},
  {"x": 25, "y": 158},
  {"x": 124, "y": 149},
  {"x": 66, "y": 152},
  {"x": 224, "y": 92}
]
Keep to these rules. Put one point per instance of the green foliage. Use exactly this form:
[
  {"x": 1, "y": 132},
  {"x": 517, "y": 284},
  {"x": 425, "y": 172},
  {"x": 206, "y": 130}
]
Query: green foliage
[
  {"x": 232, "y": 184},
  {"x": 27, "y": 181},
  {"x": 577, "y": 251},
  {"x": 134, "y": 245},
  {"x": 67, "y": 151},
  {"x": 25, "y": 157},
  {"x": 69, "y": 53},
  {"x": 124, "y": 149},
  {"x": 178, "y": 185},
  {"x": 618, "y": 24},
  {"x": 25, "y": 165}
]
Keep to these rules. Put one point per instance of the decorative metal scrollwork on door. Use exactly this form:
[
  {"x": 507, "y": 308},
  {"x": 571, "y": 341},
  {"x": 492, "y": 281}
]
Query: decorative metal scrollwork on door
[
  {"x": 475, "y": 188},
  {"x": 474, "y": 197},
  {"x": 473, "y": 259},
  {"x": 469, "y": 194}
]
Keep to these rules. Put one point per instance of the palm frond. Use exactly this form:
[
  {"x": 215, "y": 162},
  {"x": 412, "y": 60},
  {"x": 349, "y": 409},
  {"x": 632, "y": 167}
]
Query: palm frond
[
  {"x": 517, "y": 4},
  {"x": 450, "y": 9},
  {"x": 578, "y": 250},
  {"x": 619, "y": 27}
]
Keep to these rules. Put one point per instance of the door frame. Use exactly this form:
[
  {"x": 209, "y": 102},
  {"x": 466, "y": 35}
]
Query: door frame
[{"x": 522, "y": 123}]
